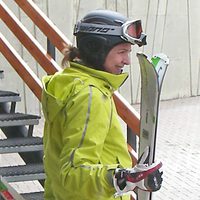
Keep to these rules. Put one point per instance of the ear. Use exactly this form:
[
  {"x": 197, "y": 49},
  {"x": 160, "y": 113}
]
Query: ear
[
  {"x": 93, "y": 50},
  {"x": 93, "y": 44}
]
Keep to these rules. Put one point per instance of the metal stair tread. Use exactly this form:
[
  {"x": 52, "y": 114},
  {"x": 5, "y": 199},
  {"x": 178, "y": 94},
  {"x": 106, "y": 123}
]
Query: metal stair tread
[
  {"x": 33, "y": 196},
  {"x": 6, "y": 96},
  {"x": 23, "y": 172},
  {"x": 17, "y": 119},
  {"x": 22, "y": 144},
  {"x": 8, "y": 93}
]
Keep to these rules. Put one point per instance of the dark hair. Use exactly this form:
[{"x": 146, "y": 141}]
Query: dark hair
[{"x": 71, "y": 53}]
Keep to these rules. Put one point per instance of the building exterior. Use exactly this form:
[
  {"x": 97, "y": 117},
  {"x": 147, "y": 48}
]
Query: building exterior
[{"x": 172, "y": 28}]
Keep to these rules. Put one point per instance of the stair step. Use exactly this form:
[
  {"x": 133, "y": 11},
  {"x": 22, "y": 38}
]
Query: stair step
[
  {"x": 18, "y": 119},
  {"x": 33, "y": 196},
  {"x": 8, "y": 96},
  {"x": 19, "y": 173},
  {"x": 17, "y": 145},
  {"x": 1, "y": 74}
]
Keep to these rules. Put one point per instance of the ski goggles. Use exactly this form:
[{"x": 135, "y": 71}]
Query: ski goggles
[{"x": 130, "y": 31}]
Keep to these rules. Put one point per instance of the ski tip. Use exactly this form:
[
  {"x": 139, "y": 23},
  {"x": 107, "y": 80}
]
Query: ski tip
[
  {"x": 157, "y": 56},
  {"x": 161, "y": 56}
]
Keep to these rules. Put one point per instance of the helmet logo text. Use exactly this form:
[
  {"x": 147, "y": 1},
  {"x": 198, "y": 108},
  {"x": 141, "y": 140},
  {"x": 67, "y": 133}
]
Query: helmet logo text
[{"x": 95, "y": 29}]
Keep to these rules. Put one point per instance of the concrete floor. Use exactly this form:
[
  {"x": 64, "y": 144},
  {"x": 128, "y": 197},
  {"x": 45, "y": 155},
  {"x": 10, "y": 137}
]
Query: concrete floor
[{"x": 178, "y": 146}]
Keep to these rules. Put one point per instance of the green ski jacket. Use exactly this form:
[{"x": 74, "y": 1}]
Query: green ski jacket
[{"x": 83, "y": 140}]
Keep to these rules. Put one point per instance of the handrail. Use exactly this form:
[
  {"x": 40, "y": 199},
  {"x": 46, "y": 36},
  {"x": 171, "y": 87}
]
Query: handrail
[
  {"x": 31, "y": 44},
  {"x": 44, "y": 24},
  {"x": 125, "y": 111},
  {"x": 21, "y": 67}
]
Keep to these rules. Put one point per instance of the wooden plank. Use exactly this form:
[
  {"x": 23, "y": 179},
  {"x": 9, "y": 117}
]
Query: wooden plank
[
  {"x": 44, "y": 23},
  {"x": 21, "y": 67},
  {"x": 127, "y": 113},
  {"x": 28, "y": 40}
]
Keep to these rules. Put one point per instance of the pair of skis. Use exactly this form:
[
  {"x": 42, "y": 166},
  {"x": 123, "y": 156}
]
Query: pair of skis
[{"x": 152, "y": 75}]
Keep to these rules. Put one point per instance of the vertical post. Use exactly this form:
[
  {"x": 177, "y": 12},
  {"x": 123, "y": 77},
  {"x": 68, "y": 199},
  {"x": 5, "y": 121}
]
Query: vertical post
[
  {"x": 131, "y": 138},
  {"x": 51, "y": 49}
]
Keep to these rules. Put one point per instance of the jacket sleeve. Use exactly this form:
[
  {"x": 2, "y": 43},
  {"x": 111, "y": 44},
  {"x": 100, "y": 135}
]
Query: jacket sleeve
[{"x": 88, "y": 118}]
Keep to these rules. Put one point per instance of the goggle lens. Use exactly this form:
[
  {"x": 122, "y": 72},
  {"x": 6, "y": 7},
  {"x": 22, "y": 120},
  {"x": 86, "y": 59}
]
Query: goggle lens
[{"x": 134, "y": 29}]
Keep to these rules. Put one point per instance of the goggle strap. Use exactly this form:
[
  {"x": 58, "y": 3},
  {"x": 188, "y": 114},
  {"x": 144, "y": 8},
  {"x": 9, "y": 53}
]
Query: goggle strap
[{"x": 97, "y": 29}]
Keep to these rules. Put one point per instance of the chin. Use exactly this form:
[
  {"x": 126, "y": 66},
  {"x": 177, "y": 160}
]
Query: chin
[{"x": 120, "y": 71}]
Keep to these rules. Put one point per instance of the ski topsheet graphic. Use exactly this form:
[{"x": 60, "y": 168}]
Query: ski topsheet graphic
[
  {"x": 7, "y": 192},
  {"x": 152, "y": 75}
]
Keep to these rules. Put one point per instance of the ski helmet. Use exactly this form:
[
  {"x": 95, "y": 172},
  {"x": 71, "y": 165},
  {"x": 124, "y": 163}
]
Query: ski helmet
[{"x": 100, "y": 30}]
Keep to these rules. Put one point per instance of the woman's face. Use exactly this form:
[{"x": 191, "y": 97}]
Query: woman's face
[{"x": 117, "y": 58}]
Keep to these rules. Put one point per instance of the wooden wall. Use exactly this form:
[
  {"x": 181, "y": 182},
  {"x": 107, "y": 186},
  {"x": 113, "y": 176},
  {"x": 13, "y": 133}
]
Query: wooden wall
[{"x": 173, "y": 27}]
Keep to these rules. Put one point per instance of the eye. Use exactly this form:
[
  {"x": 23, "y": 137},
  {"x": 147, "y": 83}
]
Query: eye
[{"x": 122, "y": 51}]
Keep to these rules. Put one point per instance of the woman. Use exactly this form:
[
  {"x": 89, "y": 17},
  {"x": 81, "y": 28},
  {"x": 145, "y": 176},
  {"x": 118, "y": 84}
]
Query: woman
[{"x": 85, "y": 153}]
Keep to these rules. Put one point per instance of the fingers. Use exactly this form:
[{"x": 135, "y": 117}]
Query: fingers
[
  {"x": 145, "y": 156},
  {"x": 154, "y": 181}
]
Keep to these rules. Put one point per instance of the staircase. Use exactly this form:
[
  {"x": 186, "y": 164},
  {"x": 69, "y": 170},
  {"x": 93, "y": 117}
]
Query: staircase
[{"x": 17, "y": 137}]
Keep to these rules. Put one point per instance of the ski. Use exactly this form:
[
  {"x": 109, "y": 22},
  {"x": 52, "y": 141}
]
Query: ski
[
  {"x": 7, "y": 192},
  {"x": 152, "y": 75}
]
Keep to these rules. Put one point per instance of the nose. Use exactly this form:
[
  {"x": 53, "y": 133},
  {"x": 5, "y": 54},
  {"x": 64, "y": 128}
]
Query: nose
[{"x": 127, "y": 60}]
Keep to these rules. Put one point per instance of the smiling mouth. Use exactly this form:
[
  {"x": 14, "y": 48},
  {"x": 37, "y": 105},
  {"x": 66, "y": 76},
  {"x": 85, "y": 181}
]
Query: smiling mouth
[{"x": 121, "y": 68}]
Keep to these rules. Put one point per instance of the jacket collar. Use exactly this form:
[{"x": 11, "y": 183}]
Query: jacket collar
[{"x": 115, "y": 81}]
